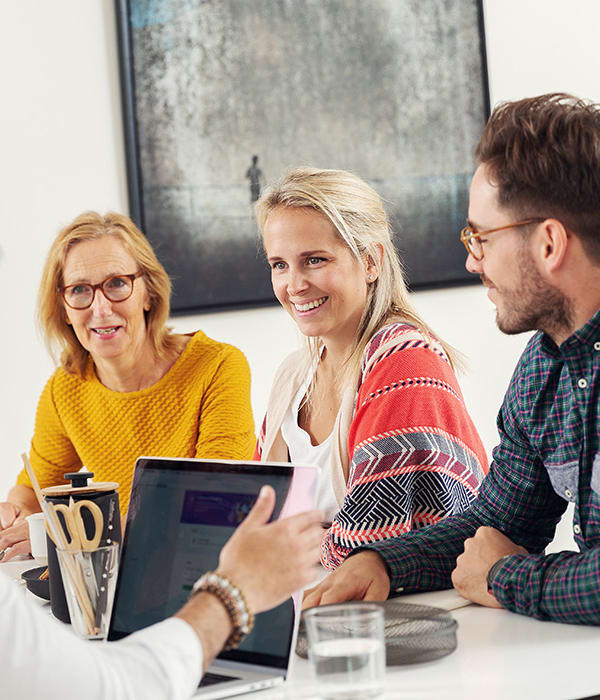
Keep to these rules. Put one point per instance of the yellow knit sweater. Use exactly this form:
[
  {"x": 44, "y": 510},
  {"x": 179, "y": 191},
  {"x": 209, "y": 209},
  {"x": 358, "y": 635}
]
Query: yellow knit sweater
[{"x": 200, "y": 408}]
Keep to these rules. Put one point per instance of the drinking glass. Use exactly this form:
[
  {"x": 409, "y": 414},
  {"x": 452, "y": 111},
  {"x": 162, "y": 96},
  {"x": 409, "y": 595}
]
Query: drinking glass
[{"x": 346, "y": 649}]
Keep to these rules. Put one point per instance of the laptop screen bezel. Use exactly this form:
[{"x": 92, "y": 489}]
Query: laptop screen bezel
[{"x": 211, "y": 466}]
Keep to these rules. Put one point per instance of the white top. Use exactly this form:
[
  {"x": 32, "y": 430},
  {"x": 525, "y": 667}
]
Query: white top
[
  {"x": 40, "y": 657},
  {"x": 302, "y": 451}
]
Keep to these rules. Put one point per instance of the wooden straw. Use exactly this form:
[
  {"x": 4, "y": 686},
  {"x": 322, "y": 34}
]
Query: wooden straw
[
  {"x": 58, "y": 535},
  {"x": 56, "y": 530}
]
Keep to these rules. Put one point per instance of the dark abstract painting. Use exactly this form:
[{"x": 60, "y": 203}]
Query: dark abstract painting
[{"x": 222, "y": 96}]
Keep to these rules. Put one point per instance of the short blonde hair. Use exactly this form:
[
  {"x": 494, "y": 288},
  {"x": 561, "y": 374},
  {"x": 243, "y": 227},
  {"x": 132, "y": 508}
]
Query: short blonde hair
[
  {"x": 89, "y": 226},
  {"x": 359, "y": 218}
]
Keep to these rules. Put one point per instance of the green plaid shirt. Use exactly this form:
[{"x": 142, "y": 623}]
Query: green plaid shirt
[{"x": 549, "y": 454}]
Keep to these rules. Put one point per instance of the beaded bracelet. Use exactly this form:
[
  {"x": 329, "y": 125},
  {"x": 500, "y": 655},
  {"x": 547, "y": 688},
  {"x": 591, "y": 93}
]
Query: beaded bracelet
[{"x": 234, "y": 602}]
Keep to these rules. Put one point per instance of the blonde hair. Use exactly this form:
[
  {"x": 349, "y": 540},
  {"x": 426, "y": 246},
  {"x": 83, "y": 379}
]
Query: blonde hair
[
  {"x": 358, "y": 216},
  {"x": 89, "y": 226}
]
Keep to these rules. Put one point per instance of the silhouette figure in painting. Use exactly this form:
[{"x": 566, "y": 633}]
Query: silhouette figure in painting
[{"x": 255, "y": 175}]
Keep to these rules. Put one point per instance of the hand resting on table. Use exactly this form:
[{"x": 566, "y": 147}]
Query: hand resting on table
[
  {"x": 482, "y": 551},
  {"x": 362, "y": 576},
  {"x": 14, "y": 530}
]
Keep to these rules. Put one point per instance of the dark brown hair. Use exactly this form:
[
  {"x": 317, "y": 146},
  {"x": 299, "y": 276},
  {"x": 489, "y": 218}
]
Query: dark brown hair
[{"x": 543, "y": 154}]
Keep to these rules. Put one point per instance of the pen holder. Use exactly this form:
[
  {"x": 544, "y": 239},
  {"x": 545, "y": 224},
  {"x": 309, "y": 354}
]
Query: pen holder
[
  {"x": 89, "y": 579},
  {"x": 105, "y": 495}
]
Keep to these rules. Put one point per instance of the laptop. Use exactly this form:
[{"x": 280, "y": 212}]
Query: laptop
[{"x": 181, "y": 513}]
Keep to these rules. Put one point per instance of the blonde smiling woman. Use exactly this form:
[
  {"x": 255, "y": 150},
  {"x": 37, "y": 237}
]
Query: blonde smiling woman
[{"x": 372, "y": 399}]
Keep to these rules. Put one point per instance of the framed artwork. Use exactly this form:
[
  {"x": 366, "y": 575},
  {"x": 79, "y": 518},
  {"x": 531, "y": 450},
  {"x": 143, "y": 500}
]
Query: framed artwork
[{"x": 223, "y": 96}]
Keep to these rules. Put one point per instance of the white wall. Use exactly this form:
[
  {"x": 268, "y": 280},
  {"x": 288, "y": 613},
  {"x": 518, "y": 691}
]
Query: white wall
[{"x": 61, "y": 150}]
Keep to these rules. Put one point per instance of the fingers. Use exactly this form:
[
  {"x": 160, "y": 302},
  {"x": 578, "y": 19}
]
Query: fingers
[
  {"x": 262, "y": 509},
  {"x": 342, "y": 591},
  {"x": 456, "y": 581},
  {"x": 310, "y": 519},
  {"x": 23, "y": 548},
  {"x": 333, "y": 589},
  {"x": 378, "y": 590},
  {"x": 13, "y": 535},
  {"x": 304, "y": 528},
  {"x": 312, "y": 597},
  {"x": 300, "y": 543},
  {"x": 361, "y": 577},
  {"x": 8, "y": 514}
]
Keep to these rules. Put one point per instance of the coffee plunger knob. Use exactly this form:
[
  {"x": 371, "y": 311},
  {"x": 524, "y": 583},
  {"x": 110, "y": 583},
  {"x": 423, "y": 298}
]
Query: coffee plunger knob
[{"x": 79, "y": 479}]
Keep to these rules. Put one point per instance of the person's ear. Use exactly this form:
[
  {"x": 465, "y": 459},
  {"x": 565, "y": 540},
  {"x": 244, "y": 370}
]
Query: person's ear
[
  {"x": 551, "y": 243},
  {"x": 373, "y": 263}
]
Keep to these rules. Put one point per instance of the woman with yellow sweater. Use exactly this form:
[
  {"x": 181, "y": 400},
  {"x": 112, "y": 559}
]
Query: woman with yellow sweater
[{"x": 126, "y": 385}]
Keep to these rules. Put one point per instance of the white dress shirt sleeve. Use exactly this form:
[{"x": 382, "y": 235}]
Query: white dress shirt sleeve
[{"x": 41, "y": 657}]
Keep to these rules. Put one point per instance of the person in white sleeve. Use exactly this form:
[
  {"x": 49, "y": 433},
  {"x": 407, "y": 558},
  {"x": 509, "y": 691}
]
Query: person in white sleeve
[{"x": 259, "y": 567}]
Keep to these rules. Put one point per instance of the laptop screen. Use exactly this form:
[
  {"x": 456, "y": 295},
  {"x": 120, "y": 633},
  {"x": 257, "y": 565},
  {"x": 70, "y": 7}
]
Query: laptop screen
[{"x": 181, "y": 513}]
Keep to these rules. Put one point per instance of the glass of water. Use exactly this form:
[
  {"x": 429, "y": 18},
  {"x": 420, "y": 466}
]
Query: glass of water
[{"x": 346, "y": 649}]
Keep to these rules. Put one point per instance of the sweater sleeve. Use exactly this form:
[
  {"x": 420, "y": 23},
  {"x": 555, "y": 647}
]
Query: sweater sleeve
[
  {"x": 226, "y": 427},
  {"x": 415, "y": 455},
  {"x": 52, "y": 452}
]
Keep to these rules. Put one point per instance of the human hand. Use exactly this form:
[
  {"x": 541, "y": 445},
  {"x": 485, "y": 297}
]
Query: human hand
[
  {"x": 269, "y": 561},
  {"x": 9, "y": 512},
  {"x": 481, "y": 552},
  {"x": 15, "y": 540},
  {"x": 14, "y": 531},
  {"x": 362, "y": 576}
]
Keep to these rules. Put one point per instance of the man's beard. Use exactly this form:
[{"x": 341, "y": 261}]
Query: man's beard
[{"x": 534, "y": 305}]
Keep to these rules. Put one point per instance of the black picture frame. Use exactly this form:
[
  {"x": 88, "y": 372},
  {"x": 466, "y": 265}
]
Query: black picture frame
[{"x": 217, "y": 263}]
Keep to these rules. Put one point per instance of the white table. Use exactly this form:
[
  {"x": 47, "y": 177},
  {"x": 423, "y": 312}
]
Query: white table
[
  {"x": 15, "y": 567},
  {"x": 499, "y": 655}
]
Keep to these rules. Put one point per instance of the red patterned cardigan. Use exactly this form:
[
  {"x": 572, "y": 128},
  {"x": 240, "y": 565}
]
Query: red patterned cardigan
[{"x": 413, "y": 453}]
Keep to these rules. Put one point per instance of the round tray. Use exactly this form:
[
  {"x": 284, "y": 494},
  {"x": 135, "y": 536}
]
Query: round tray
[{"x": 413, "y": 633}]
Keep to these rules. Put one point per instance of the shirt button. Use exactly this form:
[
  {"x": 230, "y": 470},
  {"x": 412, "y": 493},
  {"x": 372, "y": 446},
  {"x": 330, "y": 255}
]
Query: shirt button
[
  {"x": 582, "y": 383},
  {"x": 568, "y": 493},
  {"x": 597, "y": 345},
  {"x": 576, "y": 529}
]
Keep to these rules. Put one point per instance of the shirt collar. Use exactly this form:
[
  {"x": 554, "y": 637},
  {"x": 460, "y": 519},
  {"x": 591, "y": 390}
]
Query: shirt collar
[{"x": 583, "y": 338}]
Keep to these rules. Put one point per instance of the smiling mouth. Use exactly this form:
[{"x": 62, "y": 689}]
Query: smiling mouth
[
  {"x": 311, "y": 304},
  {"x": 105, "y": 331}
]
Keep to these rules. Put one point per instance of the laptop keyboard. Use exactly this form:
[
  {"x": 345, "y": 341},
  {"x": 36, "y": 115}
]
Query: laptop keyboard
[{"x": 214, "y": 678}]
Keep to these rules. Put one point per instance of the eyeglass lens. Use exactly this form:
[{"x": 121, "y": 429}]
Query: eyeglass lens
[
  {"x": 475, "y": 247},
  {"x": 80, "y": 296}
]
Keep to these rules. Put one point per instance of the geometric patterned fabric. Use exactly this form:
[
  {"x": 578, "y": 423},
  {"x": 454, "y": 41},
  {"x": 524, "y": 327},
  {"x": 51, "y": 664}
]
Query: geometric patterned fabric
[
  {"x": 416, "y": 456},
  {"x": 413, "y": 453}
]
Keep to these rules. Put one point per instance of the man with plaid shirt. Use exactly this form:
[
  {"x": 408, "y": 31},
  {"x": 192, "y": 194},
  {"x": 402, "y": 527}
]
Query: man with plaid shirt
[{"x": 533, "y": 236}]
